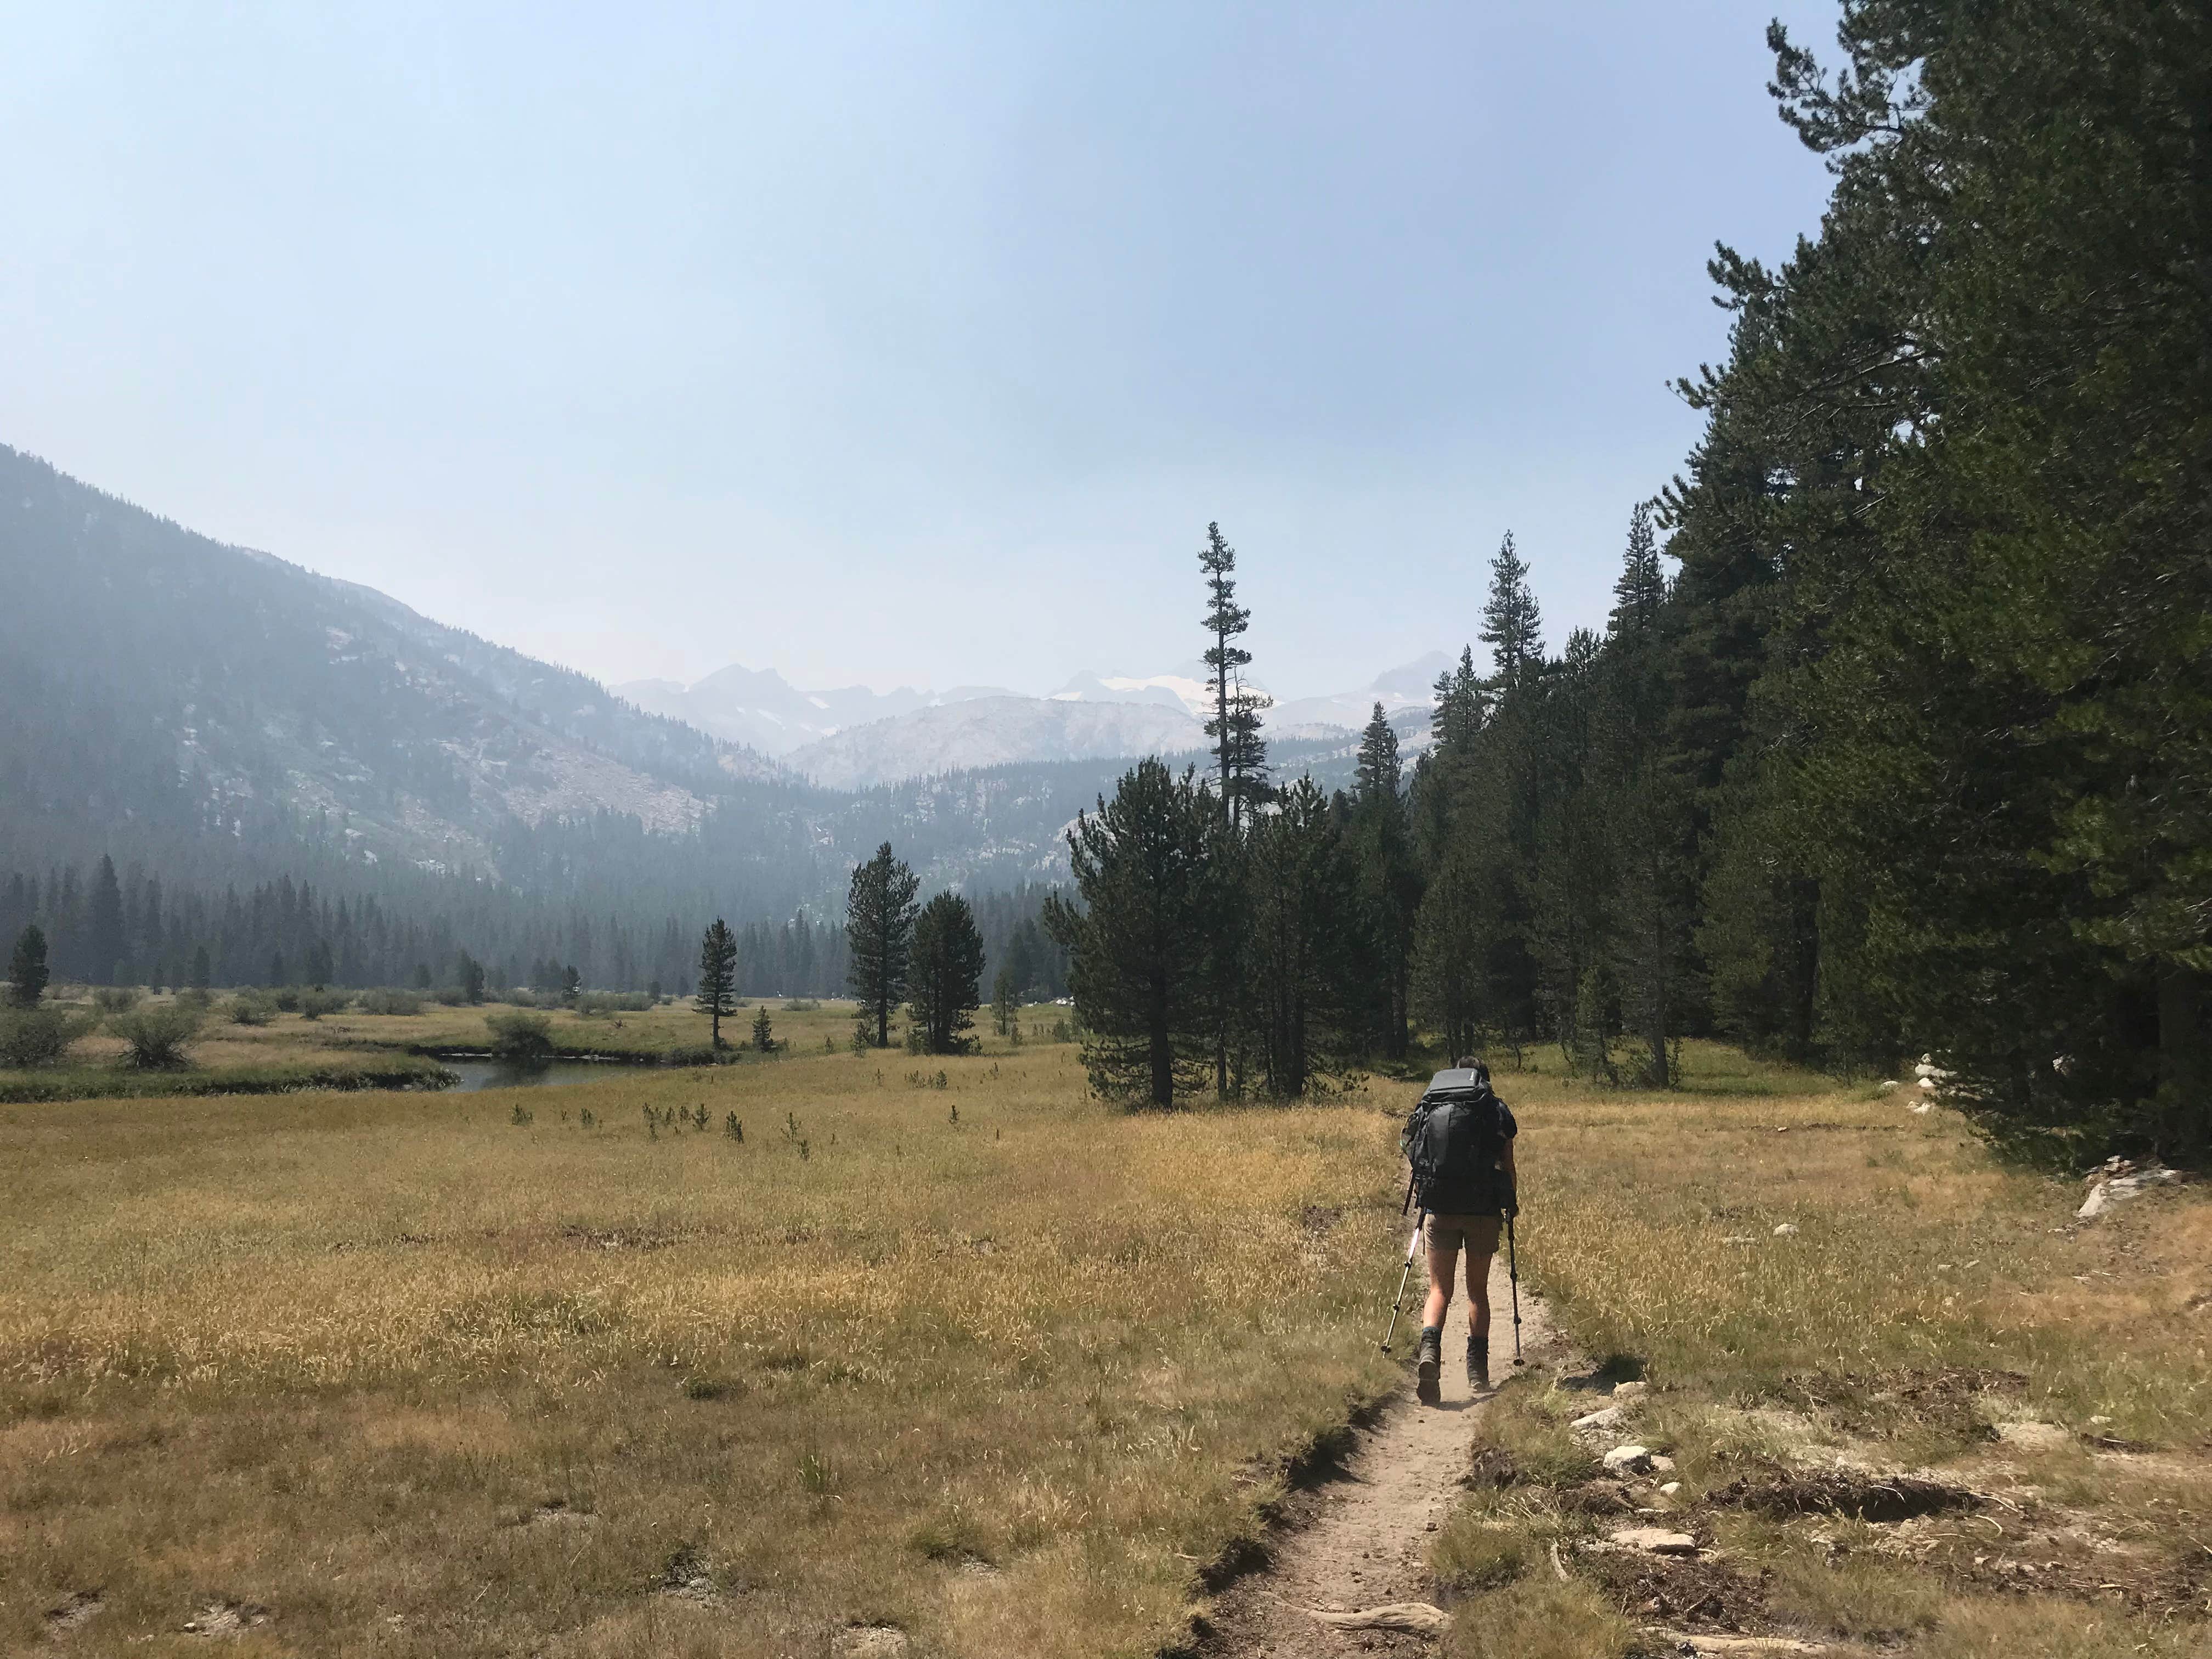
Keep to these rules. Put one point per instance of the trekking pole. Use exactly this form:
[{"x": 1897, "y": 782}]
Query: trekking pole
[
  {"x": 1513, "y": 1276},
  {"x": 1412, "y": 1245}
]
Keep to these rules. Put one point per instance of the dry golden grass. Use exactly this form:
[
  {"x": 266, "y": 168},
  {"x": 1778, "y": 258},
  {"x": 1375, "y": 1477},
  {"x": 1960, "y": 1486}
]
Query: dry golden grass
[
  {"x": 1929, "y": 1300},
  {"x": 417, "y": 1378}
]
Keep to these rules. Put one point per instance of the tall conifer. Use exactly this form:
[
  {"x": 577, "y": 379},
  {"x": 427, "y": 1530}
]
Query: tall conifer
[
  {"x": 1154, "y": 910},
  {"x": 880, "y": 917},
  {"x": 718, "y": 977}
]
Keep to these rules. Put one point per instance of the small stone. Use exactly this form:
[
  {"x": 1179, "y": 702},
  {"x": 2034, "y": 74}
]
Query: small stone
[
  {"x": 2100, "y": 1420},
  {"x": 1737, "y": 1238},
  {"x": 1602, "y": 1419},
  {"x": 1671, "y": 1487},
  {"x": 1428, "y": 1526},
  {"x": 1624, "y": 1459},
  {"x": 2096, "y": 1203},
  {"x": 1630, "y": 1390},
  {"x": 1787, "y": 1229},
  {"x": 1661, "y": 1464},
  {"x": 1655, "y": 1540}
]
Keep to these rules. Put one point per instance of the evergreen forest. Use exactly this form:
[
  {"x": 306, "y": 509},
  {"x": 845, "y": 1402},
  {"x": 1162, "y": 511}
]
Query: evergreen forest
[{"x": 1898, "y": 739}]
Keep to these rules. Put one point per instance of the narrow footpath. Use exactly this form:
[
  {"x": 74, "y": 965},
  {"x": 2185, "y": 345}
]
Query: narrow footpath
[{"x": 1360, "y": 1540}]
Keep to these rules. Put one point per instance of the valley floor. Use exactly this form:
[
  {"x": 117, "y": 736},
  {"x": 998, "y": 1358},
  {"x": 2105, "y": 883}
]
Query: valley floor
[{"x": 943, "y": 1357}]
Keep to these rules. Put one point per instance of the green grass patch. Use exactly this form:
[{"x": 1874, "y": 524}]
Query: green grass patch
[{"x": 106, "y": 1082}]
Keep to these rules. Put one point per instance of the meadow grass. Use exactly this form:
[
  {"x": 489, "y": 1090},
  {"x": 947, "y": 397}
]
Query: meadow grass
[
  {"x": 423, "y": 1373},
  {"x": 946, "y": 1344}
]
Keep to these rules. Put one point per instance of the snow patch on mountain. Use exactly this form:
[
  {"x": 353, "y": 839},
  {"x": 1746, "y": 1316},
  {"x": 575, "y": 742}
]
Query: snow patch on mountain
[{"x": 982, "y": 732}]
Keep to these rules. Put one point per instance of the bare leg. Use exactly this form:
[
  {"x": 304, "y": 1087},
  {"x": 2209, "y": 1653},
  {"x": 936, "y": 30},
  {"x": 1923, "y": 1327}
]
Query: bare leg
[
  {"x": 1443, "y": 1267},
  {"x": 1478, "y": 1301}
]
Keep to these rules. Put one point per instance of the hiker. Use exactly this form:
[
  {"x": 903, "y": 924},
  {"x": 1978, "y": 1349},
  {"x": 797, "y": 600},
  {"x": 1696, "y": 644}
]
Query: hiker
[{"x": 1460, "y": 1140}]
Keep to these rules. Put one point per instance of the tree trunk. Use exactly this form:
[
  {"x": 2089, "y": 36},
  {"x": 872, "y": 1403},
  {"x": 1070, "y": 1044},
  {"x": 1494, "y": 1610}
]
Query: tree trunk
[{"x": 1163, "y": 1058}]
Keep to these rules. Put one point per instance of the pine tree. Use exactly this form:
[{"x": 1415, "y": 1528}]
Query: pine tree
[
  {"x": 1512, "y": 627},
  {"x": 103, "y": 930},
  {"x": 1224, "y": 621},
  {"x": 944, "y": 979},
  {"x": 1641, "y": 589},
  {"x": 1141, "y": 947},
  {"x": 1448, "y": 988},
  {"x": 1377, "y": 773},
  {"x": 202, "y": 971},
  {"x": 763, "y": 1031},
  {"x": 718, "y": 977},
  {"x": 879, "y": 918},
  {"x": 1305, "y": 960},
  {"x": 1389, "y": 882},
  {"x": 1248, "y": 754},
  {"x": 26, "y": 968},
  {"x": 1005, "y": 1008}
]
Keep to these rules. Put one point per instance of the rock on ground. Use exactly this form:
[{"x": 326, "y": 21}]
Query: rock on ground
[{"x": 1655, "y": 1540}]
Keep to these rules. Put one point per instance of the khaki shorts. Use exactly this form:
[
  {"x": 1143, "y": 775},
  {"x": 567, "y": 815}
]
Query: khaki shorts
[{"x": 1478, "y": 1233}]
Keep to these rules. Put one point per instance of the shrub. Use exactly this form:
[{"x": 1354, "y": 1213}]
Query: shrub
[
  {"x": 287, "y": 998},
  {"x": 391, "y": 1002},
  {"x": 40, "y": 1036},
  {"x": 315, "y": 1002},
  {"x": 612, "y": 1002},
  {"x": 116, "y": 999},
  {"x": 249, "y": 1008},
  {"x": 521, "y": 1038},
  {"x": 449, "y": 996},
  {"x": 157, "y": 1035}
]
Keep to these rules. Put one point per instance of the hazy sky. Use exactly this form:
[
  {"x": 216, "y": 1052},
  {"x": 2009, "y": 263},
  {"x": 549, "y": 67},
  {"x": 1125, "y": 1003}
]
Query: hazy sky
[{"x": 889, "y": 343}]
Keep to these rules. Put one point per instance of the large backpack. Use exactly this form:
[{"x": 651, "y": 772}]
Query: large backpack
[{"x": 1454, "y": 1141}]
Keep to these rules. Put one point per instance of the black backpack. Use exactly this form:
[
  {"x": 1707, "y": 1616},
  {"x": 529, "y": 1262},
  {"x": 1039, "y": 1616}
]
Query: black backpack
[{"x": 1454, "y": 1140}]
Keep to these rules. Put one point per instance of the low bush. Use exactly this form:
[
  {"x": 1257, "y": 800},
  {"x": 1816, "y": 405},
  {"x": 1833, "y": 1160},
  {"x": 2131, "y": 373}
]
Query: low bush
[
  {"x": 287, "y": 998},
  {"x": 250, "y": 1008},
  {"x": 449, "y": 996},
  {"x": 521, "y": 1038},
  {"x": 157, "y": 1035},
  {"x": 391, "y": 1002},
  {"x": 315, "y": 1002},
  {"x": 116, "y": 999},
  {"x": 40, "y": 1036}
]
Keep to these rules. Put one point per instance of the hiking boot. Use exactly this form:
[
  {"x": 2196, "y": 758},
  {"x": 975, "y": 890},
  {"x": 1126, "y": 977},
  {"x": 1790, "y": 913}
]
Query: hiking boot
[
  {"x": 1478, "y": 1364},
  {"x": 1429, "y": 1365}
]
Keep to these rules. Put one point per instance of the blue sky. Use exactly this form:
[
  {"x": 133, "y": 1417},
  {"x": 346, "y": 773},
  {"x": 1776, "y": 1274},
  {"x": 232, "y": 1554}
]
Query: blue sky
[{"x": 885, "y": 343}]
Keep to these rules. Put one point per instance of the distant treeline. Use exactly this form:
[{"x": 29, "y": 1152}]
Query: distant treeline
[{"x": 130, "y": 929}]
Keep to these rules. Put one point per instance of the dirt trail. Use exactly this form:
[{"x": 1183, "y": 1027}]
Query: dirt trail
[{"x": 1360, "y": 1540}]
